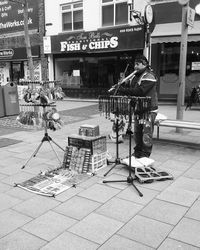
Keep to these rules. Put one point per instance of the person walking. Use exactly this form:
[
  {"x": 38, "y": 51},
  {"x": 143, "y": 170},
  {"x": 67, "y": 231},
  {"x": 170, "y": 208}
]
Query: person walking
[{"x": 142, "y": 84}]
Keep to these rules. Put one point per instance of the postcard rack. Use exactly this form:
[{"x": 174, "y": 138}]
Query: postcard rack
[{"x": 46, "y": 138}]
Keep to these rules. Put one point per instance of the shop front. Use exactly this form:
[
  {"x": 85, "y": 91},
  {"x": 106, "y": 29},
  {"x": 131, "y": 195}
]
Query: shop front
[
  {"x": 89, "y": 63},
  {"x": 165, "y": 50},
  {"x": 14, "y": 65}
]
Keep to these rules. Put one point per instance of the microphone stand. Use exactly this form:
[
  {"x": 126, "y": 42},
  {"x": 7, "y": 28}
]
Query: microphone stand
[
  {"x": 117, "y": 159},
  {"x": 130, "y": 179}
]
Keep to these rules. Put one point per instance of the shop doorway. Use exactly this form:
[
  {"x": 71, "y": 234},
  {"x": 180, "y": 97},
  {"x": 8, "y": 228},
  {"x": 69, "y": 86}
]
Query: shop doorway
[{"x": 17, "y": 71}]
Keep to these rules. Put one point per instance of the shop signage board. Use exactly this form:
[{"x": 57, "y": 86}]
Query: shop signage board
[
  {"x": 12, "y": 17},
  {"x": 18, "y": 53},
  {"x": 195, "y": 65},
  {"x": 190, "y": 17},
  {"x": 6, "y": 53},
  {"x": 127, "y": 38},
  {"x": 47, "y": 44}
]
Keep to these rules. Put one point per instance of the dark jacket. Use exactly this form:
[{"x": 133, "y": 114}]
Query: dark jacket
[{"x": 143, "y": 84}]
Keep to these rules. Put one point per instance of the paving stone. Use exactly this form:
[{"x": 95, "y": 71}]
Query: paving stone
[
  {"x": 118, "y": 209},
  {"x": 91, "y": 181},
  {"x": 96, "y": 227},
  {"x": 146, "y": 231},
  {"x": 11, "y": 161},
  {"x": 68, "y": 241},
  {"x": 193, "y": 172},
  {"x": 4, "y": 187},
  {"x": 176, "y": 165},
  {"x": 186, "y": 157},
  {"x": 77, "y": 207},
  {"x": 36, "y": 206},
  {"x": 11, "y": 220},
  {"x": 196, "y": 165},
  {"x": 19, "y": 193},
  {"x": 49, "y": 225},
  {"x": 169, "y": 244},
  {"x": 178, "y": 196},
  {"x": 17, "y": 178},
  {"x": 4, "y": 154},
  {"x": 7, "y": 201},
  {"x": 187, "y": 231},
  {"x": 190, "y": 184},
  {"x": 131, "y": 194},
  {"x": 20, "y": 240},
  {"x": 99, "y": 193},
  {"x": 157, "y": 156},
  {"x": 194, "y": 211},
  {"x": 71, "y": 192},
  {"x": 164, "y": 211},
  {"x": 120, "y": 243}
]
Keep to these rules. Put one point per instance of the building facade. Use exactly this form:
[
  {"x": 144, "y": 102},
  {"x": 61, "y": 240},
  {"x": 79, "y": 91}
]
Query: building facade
[
  {"x": 13, "y": 56},
  {"x": 91, "y": 43},
  {"x": 165, "y": 48}
]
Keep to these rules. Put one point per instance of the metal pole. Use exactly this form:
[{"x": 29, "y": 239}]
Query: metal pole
[{"x": 182, "y": 66}]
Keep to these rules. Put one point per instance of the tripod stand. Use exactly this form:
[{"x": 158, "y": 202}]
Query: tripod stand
[
  {"x": 130, "y": 178},
  {"x": 46, "y": 137}
]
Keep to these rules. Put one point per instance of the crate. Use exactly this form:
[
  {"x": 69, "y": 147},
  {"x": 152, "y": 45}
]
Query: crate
[
  {"x": 89, "y": 130},
  {"x": 98, "y": 161},
  {"x": 96, "y": 144}
]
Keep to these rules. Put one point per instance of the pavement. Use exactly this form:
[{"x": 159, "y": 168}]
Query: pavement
[{"x": 97, "y": 215}]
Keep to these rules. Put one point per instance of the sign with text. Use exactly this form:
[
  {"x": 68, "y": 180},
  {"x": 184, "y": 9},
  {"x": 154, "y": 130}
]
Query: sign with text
[
  {"x": 5, "y": 53},
  {"x": 12, "y": 17},
  {"x": 195, "y": 65},
  {"x": 128, "y": 38},
  {"x": 18, "y": 53},
  {"x": 47, "y": 44},
  {"x": 190, "y": 17}
]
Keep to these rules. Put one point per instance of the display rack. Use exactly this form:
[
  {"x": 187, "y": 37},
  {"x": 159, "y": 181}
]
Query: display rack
[{"x": 46, "y": 137}]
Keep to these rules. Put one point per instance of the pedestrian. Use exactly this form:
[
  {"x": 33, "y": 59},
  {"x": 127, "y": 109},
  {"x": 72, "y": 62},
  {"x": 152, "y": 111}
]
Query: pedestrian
[{"x": 142, "y": 84}]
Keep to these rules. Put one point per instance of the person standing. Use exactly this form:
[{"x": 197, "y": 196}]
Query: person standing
[{"x": 142, "y": 84}]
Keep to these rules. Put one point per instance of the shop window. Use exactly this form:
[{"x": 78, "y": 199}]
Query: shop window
[
  {"x": 114, "y": 12},
  {"x": 72, "y": 16}
]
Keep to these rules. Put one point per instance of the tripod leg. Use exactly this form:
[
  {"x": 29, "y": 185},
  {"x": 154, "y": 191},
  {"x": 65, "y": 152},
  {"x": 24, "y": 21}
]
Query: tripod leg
[
  {"x": 110, "y": 169},
  {"x": 57, "y": 145},
  {"x": 37, "y": 149},
  {"x": 33, "y": 155},
  {"x": 140, "y": 194},
  {"x": 55, "y": 152}
]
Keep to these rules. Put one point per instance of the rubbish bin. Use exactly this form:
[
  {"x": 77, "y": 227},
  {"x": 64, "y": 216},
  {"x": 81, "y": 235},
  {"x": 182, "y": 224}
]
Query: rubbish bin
[
  {"x": 2, "y": 109},
  {"x": 11, "y": 100}
]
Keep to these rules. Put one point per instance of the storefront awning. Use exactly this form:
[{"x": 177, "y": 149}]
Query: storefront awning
[{"x": 171, "y": 32}]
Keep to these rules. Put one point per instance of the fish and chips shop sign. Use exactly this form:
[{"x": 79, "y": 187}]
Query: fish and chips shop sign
[{"x": 98, "y": 41}]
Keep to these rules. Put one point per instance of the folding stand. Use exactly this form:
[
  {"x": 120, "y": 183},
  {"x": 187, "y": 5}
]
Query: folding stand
[
  {"x": 129, "y": 179},
  {"x": 45, "y": 138},
  {"x": 117, "y": 159}
]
